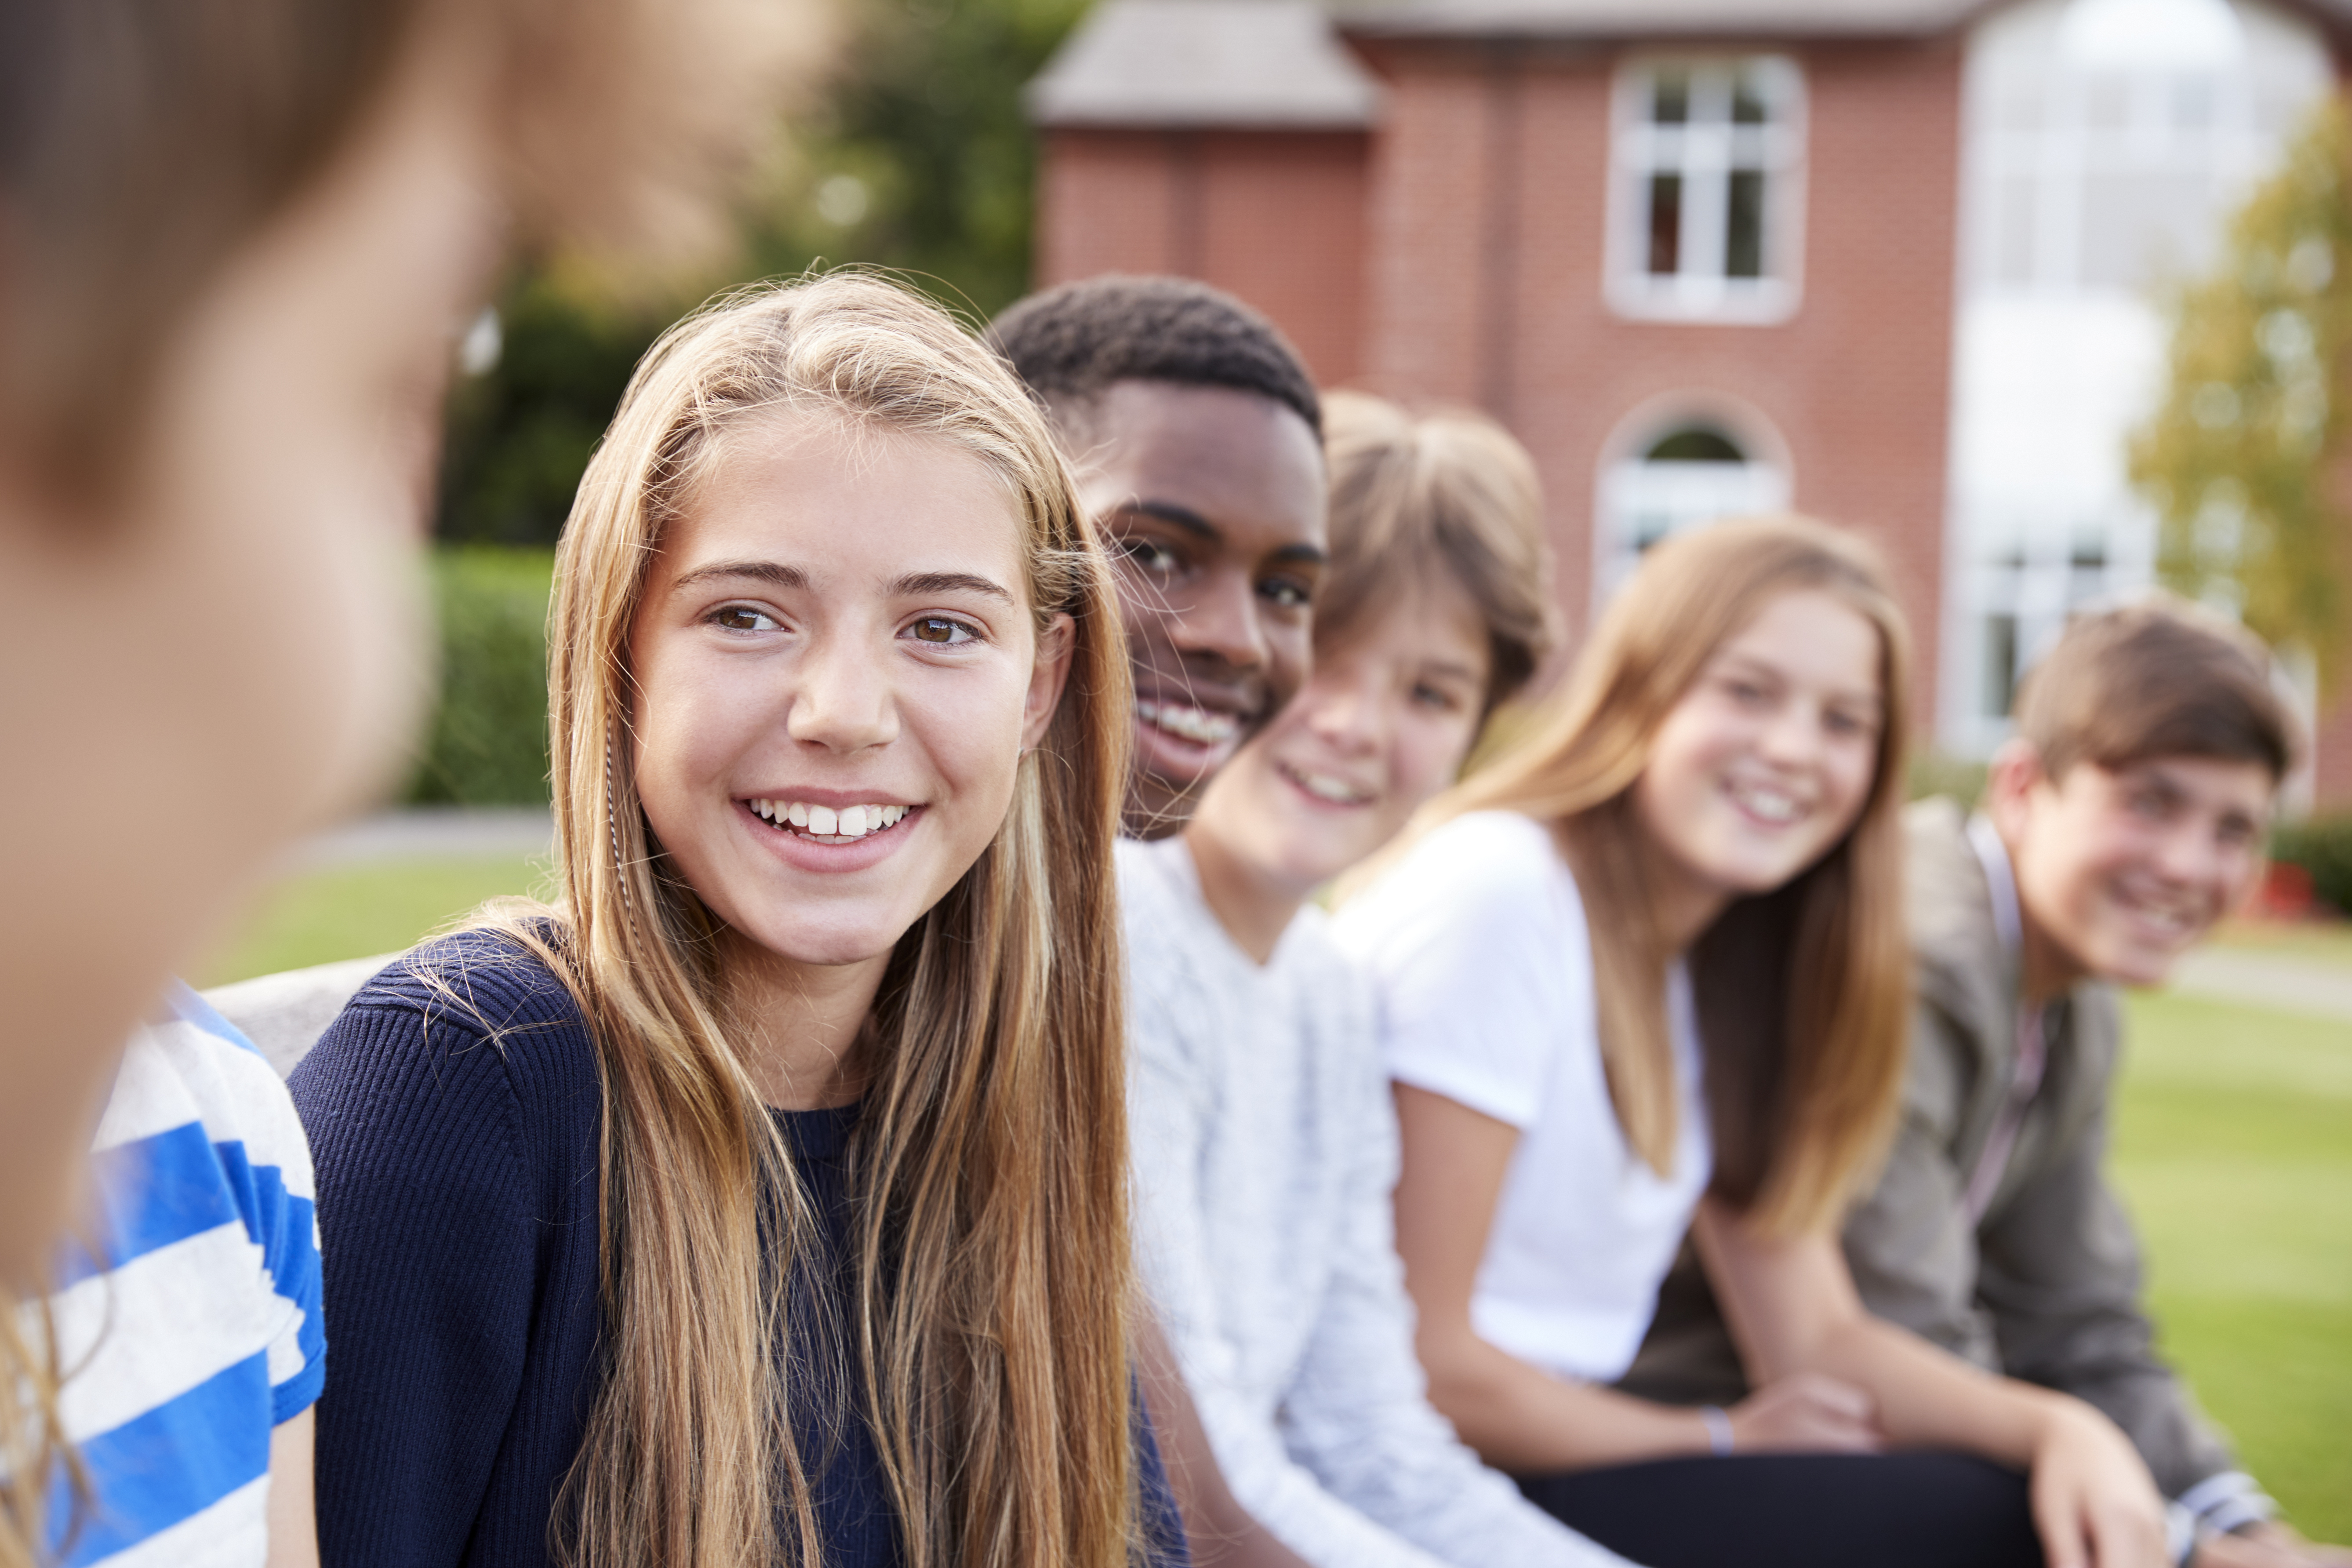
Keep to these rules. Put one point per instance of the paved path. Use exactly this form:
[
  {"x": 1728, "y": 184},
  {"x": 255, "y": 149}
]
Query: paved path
[
  {"x": 2284, "y": 981},
  {"x": 432, "y": 832}
]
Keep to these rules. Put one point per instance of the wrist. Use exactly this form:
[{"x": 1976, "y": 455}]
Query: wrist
[{"x": 1720, "y": 1439}]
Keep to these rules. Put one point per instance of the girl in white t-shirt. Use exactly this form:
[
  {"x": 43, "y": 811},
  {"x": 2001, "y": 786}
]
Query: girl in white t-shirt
[{"x": 1645, "y": 976}]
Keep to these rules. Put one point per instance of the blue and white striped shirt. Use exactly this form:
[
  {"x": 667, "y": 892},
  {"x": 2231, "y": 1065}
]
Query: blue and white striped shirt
[{"x": 195, "y": 1330}]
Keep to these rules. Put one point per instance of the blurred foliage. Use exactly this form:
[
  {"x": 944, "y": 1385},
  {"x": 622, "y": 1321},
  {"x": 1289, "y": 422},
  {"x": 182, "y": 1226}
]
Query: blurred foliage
[
  {"x": 1931, "y": 771},
  {"x": 916, "y": 157},
  {"x": 2322, "y": 845},
  {"x": 488, "y": 745},
  {"x": 2244, "y": 460}
]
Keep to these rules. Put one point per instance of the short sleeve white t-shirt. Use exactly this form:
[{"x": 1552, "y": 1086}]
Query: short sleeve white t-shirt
[{"x": 1481, "y": 965}]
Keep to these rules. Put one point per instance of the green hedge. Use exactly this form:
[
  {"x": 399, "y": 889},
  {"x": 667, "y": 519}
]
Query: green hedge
[
  {"x": 487, "y": 743},
  {"x": 2322, "y": 845}
]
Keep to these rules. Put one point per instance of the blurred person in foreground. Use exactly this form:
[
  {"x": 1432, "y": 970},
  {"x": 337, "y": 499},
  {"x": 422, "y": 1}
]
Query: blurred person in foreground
[
  {"x": 1266, "y": 1143},
  {"x": 2125, "y": 818},
  {"x": 241, "y": 239}
]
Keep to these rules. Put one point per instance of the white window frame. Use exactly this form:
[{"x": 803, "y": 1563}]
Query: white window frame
[
  {"x": 1687, "y": 495},
  {"x": 1704, "y": 151}
]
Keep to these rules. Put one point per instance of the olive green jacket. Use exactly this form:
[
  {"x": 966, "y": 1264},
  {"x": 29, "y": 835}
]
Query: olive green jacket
[{"x": 2046, "y": 1285}]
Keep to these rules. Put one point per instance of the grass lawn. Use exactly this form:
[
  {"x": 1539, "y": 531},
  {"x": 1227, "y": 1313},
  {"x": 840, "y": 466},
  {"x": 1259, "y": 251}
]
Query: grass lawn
[
  {"x": 350, "y": 912},
  {"x": 2233, "y": 1147}
]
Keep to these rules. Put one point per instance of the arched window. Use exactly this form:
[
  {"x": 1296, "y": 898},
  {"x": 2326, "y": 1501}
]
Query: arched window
[{"x": 1677, "y": 474}]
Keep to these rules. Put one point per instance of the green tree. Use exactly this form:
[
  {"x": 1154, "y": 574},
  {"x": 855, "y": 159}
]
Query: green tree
[
  {"x": 916, "y": 156},
  {"x": 2244, "y": 458}
]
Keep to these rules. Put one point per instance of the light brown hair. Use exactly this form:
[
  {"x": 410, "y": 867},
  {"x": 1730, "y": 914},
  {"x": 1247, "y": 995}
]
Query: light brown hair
[
  {"x": 1450, "y": 492},
  {"x": 2156, "y": 677},
  {"x": 988, "y": 1329},
  {"x": 1801, "y": 992}
]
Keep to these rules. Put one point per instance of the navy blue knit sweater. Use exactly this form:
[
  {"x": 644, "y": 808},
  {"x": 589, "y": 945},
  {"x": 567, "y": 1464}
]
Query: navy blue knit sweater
[{"x": 457, "y": 1154}]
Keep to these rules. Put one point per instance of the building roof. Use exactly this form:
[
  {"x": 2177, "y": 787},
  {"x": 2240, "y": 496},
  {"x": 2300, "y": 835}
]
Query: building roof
[
  {"x": 1654, "y": 18},
  {"x": 1627, "y": 19},
  {"x": 1280, "y": 63},
  {"x": 1205, "y": 63}
]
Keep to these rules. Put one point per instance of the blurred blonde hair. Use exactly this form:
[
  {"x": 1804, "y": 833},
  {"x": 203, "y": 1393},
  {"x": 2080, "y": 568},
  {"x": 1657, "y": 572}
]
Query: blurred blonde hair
[
  {"x": 988, "y": 1332},
  {"x": 1450, "y": 492},
  {"x": 1803, "y": 991}
]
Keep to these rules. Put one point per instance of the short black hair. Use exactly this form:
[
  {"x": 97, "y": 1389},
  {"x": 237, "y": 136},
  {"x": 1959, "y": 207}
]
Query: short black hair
[{"x": 1069, "y": 343}]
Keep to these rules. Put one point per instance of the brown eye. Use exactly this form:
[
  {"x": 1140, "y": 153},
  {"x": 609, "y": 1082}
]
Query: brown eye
[
  {"x": 939, "y": 631},
  {"x": 743, "y": 619}
]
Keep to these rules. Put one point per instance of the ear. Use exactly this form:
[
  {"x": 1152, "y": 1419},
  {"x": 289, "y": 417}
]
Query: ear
[
  {"x": 2010, "y": 780},
  {"x": 1048, "y": 676}
]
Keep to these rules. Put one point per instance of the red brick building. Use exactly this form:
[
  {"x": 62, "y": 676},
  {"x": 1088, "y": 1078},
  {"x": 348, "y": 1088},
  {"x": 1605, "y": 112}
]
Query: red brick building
[{"x": 1703, "y": 255}]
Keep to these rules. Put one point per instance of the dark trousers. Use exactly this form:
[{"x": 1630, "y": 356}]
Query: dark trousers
[{"x": 1801, "y": 1510}]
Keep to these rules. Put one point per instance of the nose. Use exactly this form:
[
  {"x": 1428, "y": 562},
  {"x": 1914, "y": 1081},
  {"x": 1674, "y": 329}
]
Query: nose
[
  {"x": 1792, "y": 735},
  {"x": 1221, "y": 619},
  {"x": 2187, "y": 853},
  {"x": 842, "y": 698},
  {"x": 1345, "y": 712}
]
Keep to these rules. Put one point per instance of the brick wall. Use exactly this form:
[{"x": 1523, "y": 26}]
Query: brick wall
[
  {"x": 1487, "y": 211},
  {"x": 2331, "y": 783},
  {"x": 1456, "y": 257},
  {"x": 1275, "y": 217}
]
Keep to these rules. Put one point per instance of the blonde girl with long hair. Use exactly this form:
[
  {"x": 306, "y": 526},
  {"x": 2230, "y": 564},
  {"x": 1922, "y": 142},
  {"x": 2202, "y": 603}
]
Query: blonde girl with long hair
[
  {"x": 760, "y": 1200},
  {"x": 1648, "y": 975}
]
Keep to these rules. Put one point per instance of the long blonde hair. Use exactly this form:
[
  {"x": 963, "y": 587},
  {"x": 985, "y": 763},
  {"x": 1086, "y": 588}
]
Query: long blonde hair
[
  {"x": 1803, "y": 991},
  {"x": 988, "y": 1325}
]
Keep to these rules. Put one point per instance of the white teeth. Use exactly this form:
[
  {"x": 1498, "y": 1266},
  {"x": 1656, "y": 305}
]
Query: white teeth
[
  {"x": 829, "y": 821},
  {"x": 1768, "y": 804},
  {"x": 1195, "y": 724},
  {"x": 1326, "y": 786}
]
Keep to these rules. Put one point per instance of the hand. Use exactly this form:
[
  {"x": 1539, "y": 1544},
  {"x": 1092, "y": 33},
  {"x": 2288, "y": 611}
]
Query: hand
[
  {"x": 1807, "y": 1413},
  {"x": 2267, "y": 1546},
  {"x": 2094, "y": 1503}
]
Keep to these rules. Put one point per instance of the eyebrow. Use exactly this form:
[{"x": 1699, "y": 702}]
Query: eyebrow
[
  {"x": 1183, "y": 517},
  {"x": 913, "y": 584},
  {"x": 1749, "y": 663},
  {"x": 1199, "y": 527},
  {"x": 769, "y": 571},
  {"x": 917, "y": 584}
]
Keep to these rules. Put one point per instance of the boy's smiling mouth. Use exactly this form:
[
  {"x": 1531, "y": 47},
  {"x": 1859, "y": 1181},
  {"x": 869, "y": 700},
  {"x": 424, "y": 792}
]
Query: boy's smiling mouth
[
  {"x": 1200, "y": 726},
  {"x": 829, "y": 825}
]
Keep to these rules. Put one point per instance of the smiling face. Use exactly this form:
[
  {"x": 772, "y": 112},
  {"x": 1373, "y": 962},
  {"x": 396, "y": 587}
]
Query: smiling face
[
  {"x": 1381, "y": 725},
  {"x": 1211, "y": 501},
  {"x": 1765, "y": 762},
  {"x": 837, "y": 669},
  {"x": 2120, "y": 871}
]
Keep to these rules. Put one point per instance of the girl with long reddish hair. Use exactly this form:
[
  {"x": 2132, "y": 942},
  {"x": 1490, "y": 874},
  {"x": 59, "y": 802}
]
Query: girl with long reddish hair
[{"x": 1647, "y": 975}]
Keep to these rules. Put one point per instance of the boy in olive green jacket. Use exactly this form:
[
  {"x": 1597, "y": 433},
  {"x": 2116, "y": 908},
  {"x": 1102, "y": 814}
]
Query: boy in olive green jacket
[{"x": 2126, "y": 817}]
